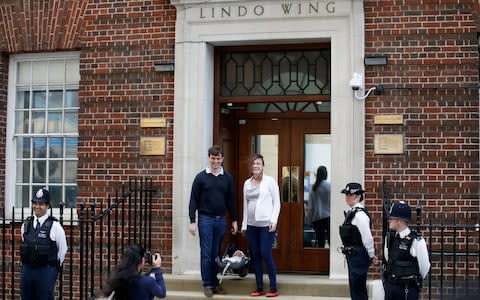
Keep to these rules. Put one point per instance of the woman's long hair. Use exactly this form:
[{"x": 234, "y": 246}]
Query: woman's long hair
[
  {"x": 125, "y": 273},
  {"x": 321, "y": 176}
]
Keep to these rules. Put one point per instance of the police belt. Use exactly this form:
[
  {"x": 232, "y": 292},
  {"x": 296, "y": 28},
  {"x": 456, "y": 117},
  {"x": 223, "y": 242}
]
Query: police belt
[{"x": 397, "y": 280}]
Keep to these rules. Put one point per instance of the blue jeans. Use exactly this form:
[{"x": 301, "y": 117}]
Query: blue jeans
[
  {"x": 37, "y": 283},
  {"x": 211, "y": 230},
  {"x": 260, "y": 241}
]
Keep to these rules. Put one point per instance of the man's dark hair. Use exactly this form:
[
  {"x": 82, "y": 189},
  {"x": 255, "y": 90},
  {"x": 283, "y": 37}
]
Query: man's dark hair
[{"x": 215, "y": 150}]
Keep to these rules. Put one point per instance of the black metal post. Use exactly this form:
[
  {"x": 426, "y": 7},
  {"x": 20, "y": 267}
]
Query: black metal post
[
  {"x": 467, "y": 274},
  {"x": 60, "y": 273},
  {"x": 4, "y": 242},
  {"x": 454, "y": 255},
  {"x": 109, "y": 238},
  {"x": 430, "y": 255},
  {"x": 442, "y": 230},
  {"x": 150, "y": 196},
  {"x": 81, "y": 221},
  {"x": 92, "y": 247},
  {"x": 12, "y": 267},
  {"x": 71, "y": 252}
]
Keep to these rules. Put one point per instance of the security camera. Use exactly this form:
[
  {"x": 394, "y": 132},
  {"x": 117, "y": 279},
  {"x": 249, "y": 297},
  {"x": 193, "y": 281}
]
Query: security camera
[{"x": 356, "y": 82}]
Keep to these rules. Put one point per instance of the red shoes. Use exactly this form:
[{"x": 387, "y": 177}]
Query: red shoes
[
  {"x": 272, "y": 294},
  {"x": 257, "y": 293}
]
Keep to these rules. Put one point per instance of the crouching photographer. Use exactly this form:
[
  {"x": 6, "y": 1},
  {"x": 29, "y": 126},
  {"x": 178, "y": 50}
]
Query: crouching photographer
[{"x": 127, "y": 282}]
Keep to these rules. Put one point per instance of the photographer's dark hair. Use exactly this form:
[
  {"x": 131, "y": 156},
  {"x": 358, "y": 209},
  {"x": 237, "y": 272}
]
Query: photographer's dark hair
[
  {"x": 215, "y": 150},
  {"x": 125, "y": 273},
  {"x": 321, "y": 176}
]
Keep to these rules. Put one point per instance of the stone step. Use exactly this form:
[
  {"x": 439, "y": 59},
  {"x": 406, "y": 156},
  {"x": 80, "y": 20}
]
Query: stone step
[
  {"x": 289, "y": 286},
  {"x": 188, "y": 295}
]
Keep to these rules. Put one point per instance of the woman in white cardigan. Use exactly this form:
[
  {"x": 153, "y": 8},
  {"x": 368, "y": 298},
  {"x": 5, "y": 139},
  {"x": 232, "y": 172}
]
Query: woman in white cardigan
[{"x": 261, "y": 207}]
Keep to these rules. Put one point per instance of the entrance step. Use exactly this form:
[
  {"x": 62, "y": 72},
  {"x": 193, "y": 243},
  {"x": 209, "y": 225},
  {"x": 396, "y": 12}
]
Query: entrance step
[{"x": 313, "y": 287}]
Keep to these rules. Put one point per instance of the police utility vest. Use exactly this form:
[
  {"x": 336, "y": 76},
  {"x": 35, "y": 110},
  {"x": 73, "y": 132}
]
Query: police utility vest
[
  {"x": 349, "y": 233},
  {"x": 37, "y": 249},
  {"x": 401, "y": 264}
]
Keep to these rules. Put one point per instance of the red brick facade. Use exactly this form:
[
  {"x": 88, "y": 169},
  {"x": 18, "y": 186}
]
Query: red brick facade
[
  {"x": 119, "y": 41},
  {"x": 431, "y": 79}
]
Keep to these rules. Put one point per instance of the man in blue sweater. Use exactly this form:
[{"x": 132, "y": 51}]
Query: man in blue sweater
[{"x": 212, "y": 195}]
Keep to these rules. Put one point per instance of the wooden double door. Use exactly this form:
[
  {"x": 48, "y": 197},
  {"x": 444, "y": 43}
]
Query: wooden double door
[{"x": 293, "y": 147}]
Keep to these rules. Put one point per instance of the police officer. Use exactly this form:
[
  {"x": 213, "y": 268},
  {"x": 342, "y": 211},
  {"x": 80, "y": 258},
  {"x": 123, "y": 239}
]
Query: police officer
[
  {"x": 406, "y": 256},
  {"x": 42, "y": 250},
  {"x": 357, "y": 241}
]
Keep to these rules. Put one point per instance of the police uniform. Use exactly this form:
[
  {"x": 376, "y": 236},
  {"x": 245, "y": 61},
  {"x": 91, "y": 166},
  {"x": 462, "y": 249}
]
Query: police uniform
[
  {"x": 358, "y": 244},
  {"x": 42, "y": 252},
  {"x": 406, "y": 256}
]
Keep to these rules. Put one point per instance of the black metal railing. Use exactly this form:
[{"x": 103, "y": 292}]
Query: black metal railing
[
  {"x": 97, "y": 233},
  {"x": 453, "y": 241}
]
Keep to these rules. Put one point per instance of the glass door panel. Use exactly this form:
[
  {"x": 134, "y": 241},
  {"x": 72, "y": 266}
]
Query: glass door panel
[{"x": 316, "y": 228}]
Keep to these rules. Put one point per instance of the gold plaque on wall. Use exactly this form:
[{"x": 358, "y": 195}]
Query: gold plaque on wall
[
  {"x": 388, "y": 119},
  {"x": 152, "y": 145},
  {"x": 388, "y": 144},
  {"x": 153, "y": 122}
]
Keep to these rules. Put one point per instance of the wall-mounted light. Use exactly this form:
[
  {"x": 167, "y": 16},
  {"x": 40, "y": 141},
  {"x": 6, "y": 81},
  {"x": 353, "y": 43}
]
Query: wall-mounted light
[
  {"x": 377, "y": 60},
  {"x": 164, "y": 67}
]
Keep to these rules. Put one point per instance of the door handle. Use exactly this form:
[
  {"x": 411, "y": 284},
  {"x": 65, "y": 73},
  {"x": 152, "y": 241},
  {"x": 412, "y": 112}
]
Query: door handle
[
  {"x": 294, "y": 183},
  {"x": 286, "y": 187},
  {"x": 290, "y": 178}
]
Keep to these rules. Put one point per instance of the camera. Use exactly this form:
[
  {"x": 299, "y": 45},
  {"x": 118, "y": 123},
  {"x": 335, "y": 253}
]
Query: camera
[
  {"x": 149, "y": 256},
  {"x": 356, "y": 82}
]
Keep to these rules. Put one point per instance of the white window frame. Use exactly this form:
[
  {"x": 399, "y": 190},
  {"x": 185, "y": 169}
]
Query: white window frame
[{"x": 10, "y": 147}]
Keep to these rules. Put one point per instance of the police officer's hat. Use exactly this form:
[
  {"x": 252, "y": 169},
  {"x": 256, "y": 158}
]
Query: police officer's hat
[
  {"x": 353, "y": 188},
  {"x": 401, "y": 211},
  {"x": 42, "y": 195}
]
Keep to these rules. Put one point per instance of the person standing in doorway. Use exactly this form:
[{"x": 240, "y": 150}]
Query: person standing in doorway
[
  {"x": 319, "y": 207},
  {"x": 42, "y": 250},
  {"x": 357, "y": 241},
  {"x": 261, "y": 208},
  {"x": 406, "y": 255},
  {"x": 212, "y": 195}
]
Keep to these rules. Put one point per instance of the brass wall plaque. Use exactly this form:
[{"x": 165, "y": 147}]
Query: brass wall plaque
[
  {"x": 388, "y": 119},
  {"x": 153, "y": 122},
  {"x": 388, "y": 143},
  {"x": 152, "y": 145}
]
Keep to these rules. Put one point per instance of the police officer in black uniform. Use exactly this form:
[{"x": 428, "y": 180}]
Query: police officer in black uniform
[
  {"x": 357, "y": 241},
  {"x": 42, "y": 250},
  {"x": 406, "y": 256}
]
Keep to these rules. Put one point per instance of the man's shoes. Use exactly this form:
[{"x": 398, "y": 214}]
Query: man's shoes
[
  {"x": 257, "y": 293},
  {"x": 272, "y": 294},
  {"x": 219, "y": 290},
  {"x": 208, "y": 292}
]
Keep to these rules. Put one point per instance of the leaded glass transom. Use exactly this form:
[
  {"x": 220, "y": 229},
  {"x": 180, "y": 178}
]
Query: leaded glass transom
[{"x": 276, "y": 73}]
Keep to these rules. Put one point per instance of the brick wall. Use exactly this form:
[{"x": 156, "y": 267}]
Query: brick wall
[
  {"x": 3, "y": 124},
  {"x": 119, "y": 86},
  {"x": 119, "y": 42},
  {"x": 431, "y": 79}
]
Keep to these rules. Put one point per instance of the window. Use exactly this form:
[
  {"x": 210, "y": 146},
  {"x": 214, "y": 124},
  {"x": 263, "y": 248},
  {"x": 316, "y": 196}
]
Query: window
[{"x": 42, "y": 128}]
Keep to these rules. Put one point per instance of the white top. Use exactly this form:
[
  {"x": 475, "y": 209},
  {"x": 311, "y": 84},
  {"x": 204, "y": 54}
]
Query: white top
[
  {"x": 362, "y": 221},
  {"x": 418, "y": 250},
  {"x": 57, "y": 234},
  {"x": 268, "y": 203}
]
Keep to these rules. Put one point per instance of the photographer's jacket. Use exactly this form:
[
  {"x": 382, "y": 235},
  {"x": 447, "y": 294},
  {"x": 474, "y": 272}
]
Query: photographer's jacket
[
  {"x": 406, "y": 255},
  {"x": 359, "y": 222},
  {"x": 44, "y": 245}
]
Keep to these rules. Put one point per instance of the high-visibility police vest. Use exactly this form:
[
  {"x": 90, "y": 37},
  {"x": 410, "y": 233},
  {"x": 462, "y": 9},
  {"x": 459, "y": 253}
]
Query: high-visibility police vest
[
  {"x": 349, "y": 233},
  {"x": 401, "y": 264},
  {"x": 37, "y": 248}
]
